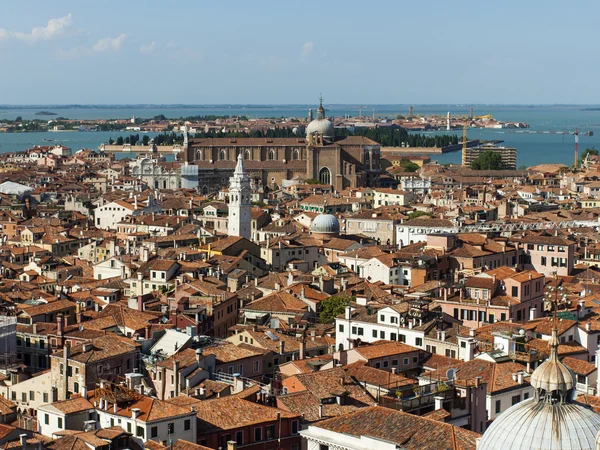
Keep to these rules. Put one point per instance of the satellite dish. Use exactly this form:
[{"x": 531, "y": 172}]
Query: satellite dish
[
  {"x": 451, "y": 374},
  {"x": 521, "y": 332}
]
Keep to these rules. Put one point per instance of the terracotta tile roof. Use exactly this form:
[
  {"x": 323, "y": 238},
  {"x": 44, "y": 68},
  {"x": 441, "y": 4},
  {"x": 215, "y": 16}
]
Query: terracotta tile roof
[
  {"x": 497, "y": 376},
  {"x": 71, "y": 406},
  {"x": 384, "y": 348},
  {"x": 227, "y": 352},
  {"x": 439, "y": 414},
  {"x": 233, "y": 412},
  {"x": 326, "y": 384},
  {"x": 307, "y": 404},
  {"x": 377, "y": 377},
  {"x": 278, "y": 302},
  {"x": 579, "y": 366},
  {"x": 408, "y": 431},
  {"x": 103, "y": 347},
  {"x": 185, "y": 445}
]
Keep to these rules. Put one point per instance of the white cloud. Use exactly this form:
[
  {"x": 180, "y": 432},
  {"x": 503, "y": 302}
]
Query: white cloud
[
  {"x": 54, "y": 28},
  {"x": 307, "y": 49},
  {"x": 148, "y": 49},
  {"x": 110, "y": 44}
]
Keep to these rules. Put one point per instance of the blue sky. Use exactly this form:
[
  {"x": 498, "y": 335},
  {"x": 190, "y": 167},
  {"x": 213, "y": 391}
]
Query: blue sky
[{"x": 283, "y": 52}]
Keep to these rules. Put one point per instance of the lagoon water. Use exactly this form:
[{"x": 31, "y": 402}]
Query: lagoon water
[{"x": 531, "y": 148}]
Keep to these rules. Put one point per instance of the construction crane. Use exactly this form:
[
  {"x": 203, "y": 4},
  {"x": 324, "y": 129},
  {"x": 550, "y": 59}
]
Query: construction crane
[
  {"x": 487, "y": 116},
  {"x": 574, "y": 133},
  {"x": 464, "y": 147},
  {"x": 360, "y": 108}
]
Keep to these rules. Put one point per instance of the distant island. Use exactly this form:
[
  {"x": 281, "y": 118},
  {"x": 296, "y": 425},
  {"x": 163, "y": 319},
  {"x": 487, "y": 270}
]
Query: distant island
[
  {"x": 45, "y": 113},
  {"x": 590, "y": 109}
]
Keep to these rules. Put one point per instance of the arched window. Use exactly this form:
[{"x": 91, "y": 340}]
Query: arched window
[
  {"x": 199, "y": 155},
  {"x": 325, "y": 176},
  {"x": 247, "y": 154},
  {"x": 222, "y": 155},
  {"x": 296, "y": 155},
  {"x": 204, "y": 190},
  {"x": 271, "y": 154}
]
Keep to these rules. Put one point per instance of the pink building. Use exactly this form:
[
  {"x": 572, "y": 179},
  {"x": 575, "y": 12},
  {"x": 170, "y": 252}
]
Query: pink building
[{"x": 549, "y": 254}]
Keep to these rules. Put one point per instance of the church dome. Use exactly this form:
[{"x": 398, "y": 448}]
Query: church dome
[
  {"x": 325, "y": 224},
  {"x": 551, "y": 420},
  {"x": 533, "y": 424},
  {"x": 323, "y": 127}
]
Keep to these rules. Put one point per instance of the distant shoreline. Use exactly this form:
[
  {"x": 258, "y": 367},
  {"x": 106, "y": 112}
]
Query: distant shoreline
[{"x": 584, "y": 107}]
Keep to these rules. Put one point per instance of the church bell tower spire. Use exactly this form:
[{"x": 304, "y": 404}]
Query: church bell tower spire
[{"x": 239, "y": 201}]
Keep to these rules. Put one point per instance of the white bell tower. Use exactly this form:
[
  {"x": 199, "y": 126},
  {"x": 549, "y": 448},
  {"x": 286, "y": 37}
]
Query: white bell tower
[{"x": 239, "y": 202}]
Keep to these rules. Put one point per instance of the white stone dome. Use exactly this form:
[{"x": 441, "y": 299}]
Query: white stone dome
[
  {"x": 325, "y": 224},
  {"x": 551, "y": 420},
  {"x": 539, "y": 425},
  {"x": 323, "y": 127}
]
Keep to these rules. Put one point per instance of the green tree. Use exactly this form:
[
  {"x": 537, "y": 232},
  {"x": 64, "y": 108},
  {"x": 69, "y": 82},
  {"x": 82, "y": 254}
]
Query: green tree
[
  {"x": 415, "y": 214},
  {"x": 332, "y": 307},
  {"x": 409, "y": 166},
  {"x": 488, "y": 160},
  {"x": 311, "y": 181},
  {"x": 145, "y": 140},
  {"x": 120, "y": 140},
  {"x": 589, "y": 151},
  {"x": 111, "y": 141},
  {"x": 19, "y": 119}
]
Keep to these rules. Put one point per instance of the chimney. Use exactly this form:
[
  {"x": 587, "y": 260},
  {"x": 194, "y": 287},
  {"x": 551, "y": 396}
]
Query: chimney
[
  {"x": 348, "y": 312},
  {"x": 23, "y": 440},
  {"x": 439, "y": 402},
  {"x": 198, "y": 355},
  {"x": 277, "y": 287},
  {"x": 532, "y": 313},
  {"x": 520, "y": 377},
  {"x": 60, "y": 325},
  {"x": 176, "y": 374},
  {"x": 320, "y": 410},
  {"x": 302, "y": 350},
  {"x": 514, "y": 376},
  {"x": 445, "y": 294},
  {"x": 281, "y": 347},
  {"x": 443, "y": 336},
  {"x": 135, "y": 412},
  {"x": 231, "y": 445},
  {"x": 290, "y": 279}
]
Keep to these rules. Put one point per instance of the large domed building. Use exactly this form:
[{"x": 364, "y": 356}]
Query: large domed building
[
  {"x": 321, "y": 126},
  {"x": 342, "y": 162},
  {"x": 551, "y": 420},
  {"x": 326, "y": 224}
]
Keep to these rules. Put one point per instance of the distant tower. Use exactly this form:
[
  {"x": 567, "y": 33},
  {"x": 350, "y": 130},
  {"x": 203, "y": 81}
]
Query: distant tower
[
  {"x": 310, "y": 115},
  {"x": 239, "y": 201},
  {"x": 448, "y": 121},
  {"x": 411, "y": 111},
  {"x": 464, "y": 146},
  {"x": 576, "y": 165},
  {"x": 471, "y": 113},
  {"x": 185, "y": 141}
]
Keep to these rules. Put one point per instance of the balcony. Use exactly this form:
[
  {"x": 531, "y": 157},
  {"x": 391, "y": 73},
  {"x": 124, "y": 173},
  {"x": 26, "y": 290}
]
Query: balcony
[{"x": 420, "y": 397}]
